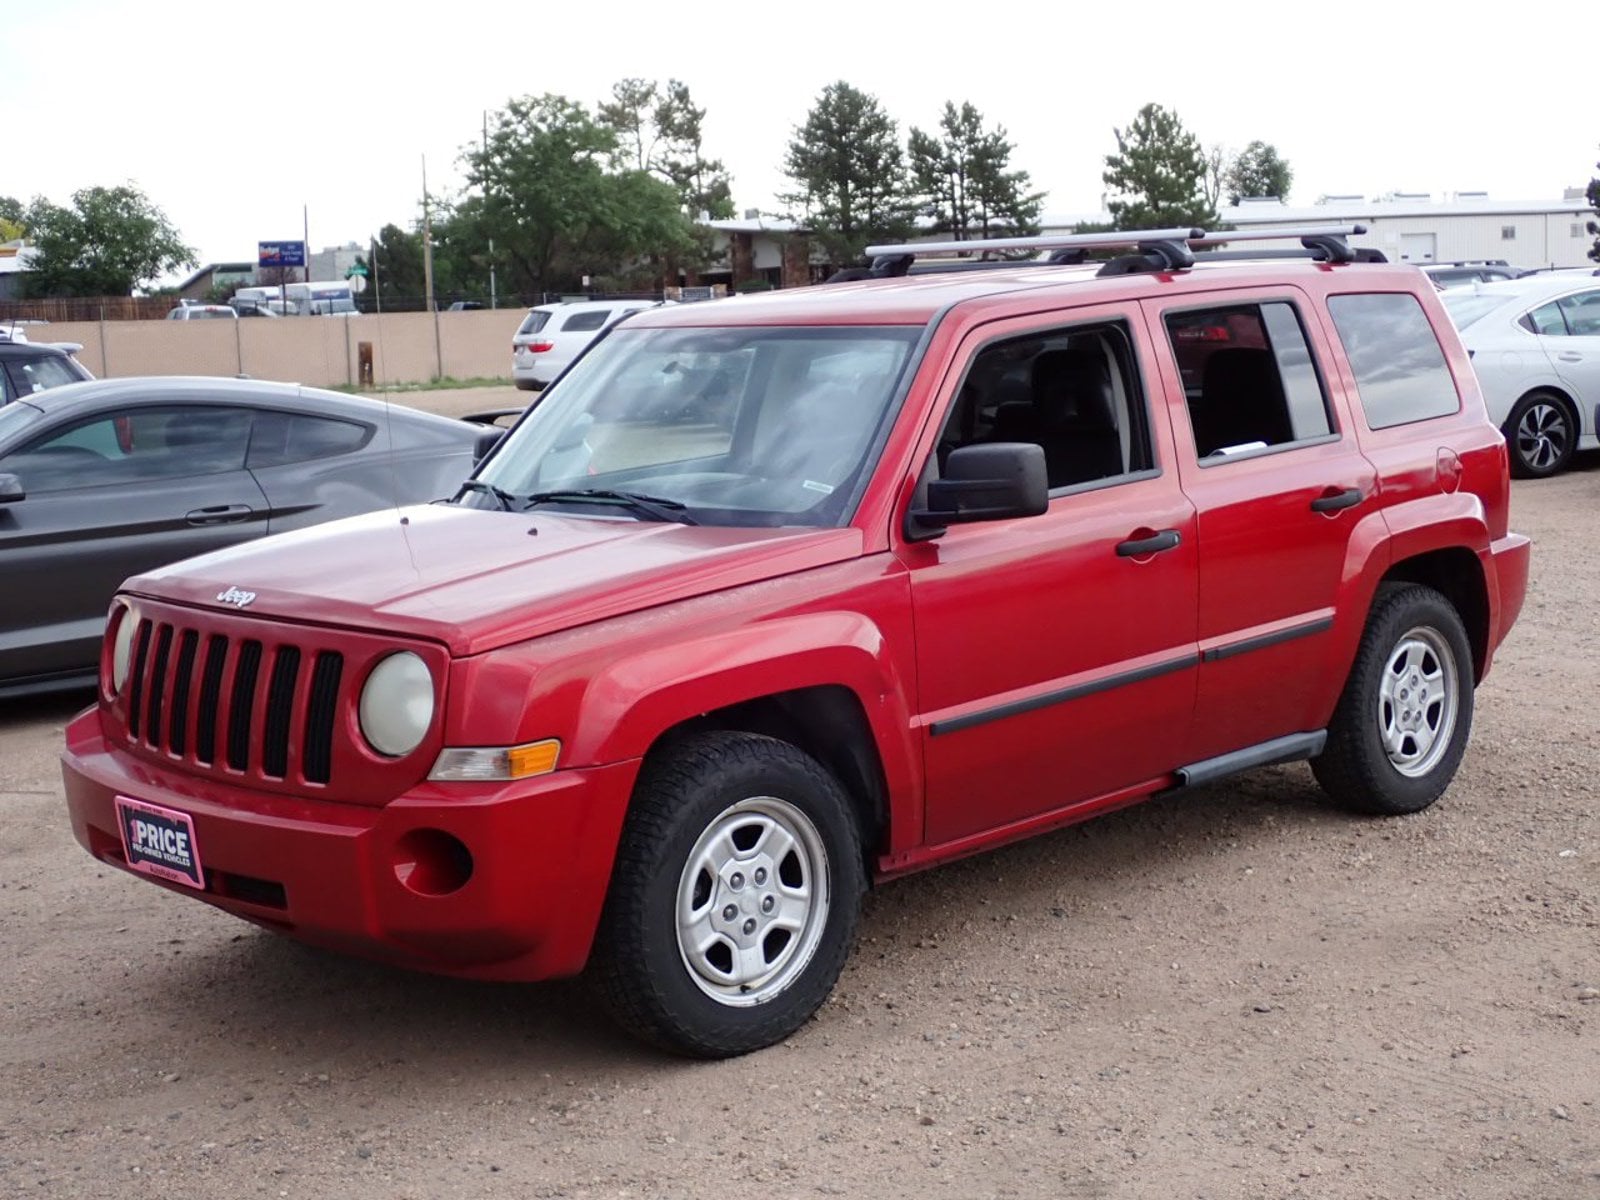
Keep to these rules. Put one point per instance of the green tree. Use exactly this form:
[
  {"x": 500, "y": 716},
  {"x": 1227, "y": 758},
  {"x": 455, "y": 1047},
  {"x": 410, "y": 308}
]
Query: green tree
[
  {"x": 1157, "y": 175},
  {"x": 109, "y": 241},
  {"x": 962, "y": 179},
  {"x": 12, "y": 215},
  {"x": 851, "y": 173},
  {"x": 1258, "y": 170},
  {"x": 400, "y": 280},
  {"x": 555, "y": 210},
  {"x": 659, "y": 130},
  {"x": 1593, "y": 196}
]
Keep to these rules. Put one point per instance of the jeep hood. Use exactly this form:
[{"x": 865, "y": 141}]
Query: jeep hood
[{"x": 477, "y": 580}]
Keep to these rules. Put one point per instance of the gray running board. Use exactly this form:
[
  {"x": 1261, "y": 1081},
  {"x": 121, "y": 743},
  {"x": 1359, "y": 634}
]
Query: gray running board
[{"x": 1293, "y": 748}]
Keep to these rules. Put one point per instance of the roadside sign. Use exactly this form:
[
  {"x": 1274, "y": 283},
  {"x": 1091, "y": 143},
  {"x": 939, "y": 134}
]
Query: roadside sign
[
  {"x": 280, "y": 254},
  {"x": 356, "y": 269}
]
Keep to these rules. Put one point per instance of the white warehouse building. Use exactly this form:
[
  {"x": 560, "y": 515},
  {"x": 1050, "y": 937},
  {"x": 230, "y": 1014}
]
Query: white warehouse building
[{"x": 1413, "y": 227}]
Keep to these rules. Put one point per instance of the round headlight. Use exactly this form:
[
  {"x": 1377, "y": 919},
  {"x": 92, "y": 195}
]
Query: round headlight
[
  {"x": 397, "y": 704},
  {"x": 122, "y": 648}
]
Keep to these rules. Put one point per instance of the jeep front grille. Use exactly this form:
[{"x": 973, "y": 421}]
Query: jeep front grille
[{"x": 247, "y": 697}]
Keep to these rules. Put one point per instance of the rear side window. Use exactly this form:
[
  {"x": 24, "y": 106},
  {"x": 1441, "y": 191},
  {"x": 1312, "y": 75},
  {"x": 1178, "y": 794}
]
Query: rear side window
[
  {"x": 1545, "y": 319},
  {"x": 533, "y": 322},
  {"x": 585, "y": 321},
  {"x": 1582, "y": 313},
  {"x": 1248, "y": 378},
  {"x": 41, "y": 373},
  {"x": 281, "y": 438},
  {"x": 1401, "y": 374}
]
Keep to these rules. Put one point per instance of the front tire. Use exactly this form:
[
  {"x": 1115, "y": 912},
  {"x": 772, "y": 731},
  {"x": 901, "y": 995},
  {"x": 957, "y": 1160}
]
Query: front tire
[
  {"x": 1541, "y": 435},
  {"x": 734, "y": 898},
  {"x": 1401, "y": 726}
]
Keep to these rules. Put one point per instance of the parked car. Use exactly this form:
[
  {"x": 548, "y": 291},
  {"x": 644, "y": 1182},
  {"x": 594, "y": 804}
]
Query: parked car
[
  {"x": 766, "y": 601},
  {"x": 464, "y": 306},
  {"x": 1455, "y": 274},
  {"x": 1535, "y": 345},
  {"x": 99, "y": 481},
  {"x": 29, "y": 367},
  {"x": 552, "y": 335},
  {"x": 202, "y": 312}
]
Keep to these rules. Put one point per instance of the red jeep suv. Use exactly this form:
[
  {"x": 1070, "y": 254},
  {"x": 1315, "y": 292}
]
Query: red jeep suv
[{"x": 773, "y": 598}]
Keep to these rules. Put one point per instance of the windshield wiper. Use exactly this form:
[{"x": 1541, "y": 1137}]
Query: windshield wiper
[
  {"x": 657, "y": 508},
  {"x": 508, "y": 502}
]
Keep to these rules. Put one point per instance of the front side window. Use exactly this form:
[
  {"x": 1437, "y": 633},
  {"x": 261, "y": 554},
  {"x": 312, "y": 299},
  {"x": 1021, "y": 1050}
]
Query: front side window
[
  {"x": 1401, "y": 373},
  {"x": 739, "y": 426},
  {"x": 1073, "y": 391},
  {"x": 1248, "y": 378},
  {"x": 137, "y": 445}
]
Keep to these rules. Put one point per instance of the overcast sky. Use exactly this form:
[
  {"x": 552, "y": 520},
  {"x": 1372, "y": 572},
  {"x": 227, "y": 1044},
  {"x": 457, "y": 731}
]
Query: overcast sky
[{"x": 231, "y": 117}]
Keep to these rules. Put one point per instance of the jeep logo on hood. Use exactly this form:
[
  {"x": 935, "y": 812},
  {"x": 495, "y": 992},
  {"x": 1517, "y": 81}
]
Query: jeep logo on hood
[{"x": 235, "y": 597}]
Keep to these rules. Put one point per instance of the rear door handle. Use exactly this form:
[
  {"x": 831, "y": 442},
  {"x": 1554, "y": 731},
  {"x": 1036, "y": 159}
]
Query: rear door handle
[
  {"x": 1570, "y": 356},
  {"x": 1138, "y": 547},
  {"x": 1333, "y": 501},
  {"x": 219, "y": 514}
]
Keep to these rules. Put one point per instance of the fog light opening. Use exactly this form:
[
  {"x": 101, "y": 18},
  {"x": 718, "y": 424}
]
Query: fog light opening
[{"x": 431, "y": 862}]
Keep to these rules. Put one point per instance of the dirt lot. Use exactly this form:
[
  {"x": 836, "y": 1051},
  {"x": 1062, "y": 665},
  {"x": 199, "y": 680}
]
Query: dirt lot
[{"x": 1235, "y": 993}]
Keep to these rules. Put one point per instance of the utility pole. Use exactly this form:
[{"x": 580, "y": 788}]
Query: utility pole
[
  {"x": 427, "y": 273},
  {"x": 377, "y": 292},
  {"x": 492, "y": 303},
  {"x": 305, "y": 232},
  {"x": 427, "y": 239}
]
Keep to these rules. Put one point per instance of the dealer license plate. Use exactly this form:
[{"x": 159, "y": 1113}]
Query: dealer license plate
[{"x": 160, "y": 842}]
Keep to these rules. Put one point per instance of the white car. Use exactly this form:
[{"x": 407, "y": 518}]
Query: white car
[
  {"x": 552, "y": 335},
  {"x": 1535, "y": 345}
]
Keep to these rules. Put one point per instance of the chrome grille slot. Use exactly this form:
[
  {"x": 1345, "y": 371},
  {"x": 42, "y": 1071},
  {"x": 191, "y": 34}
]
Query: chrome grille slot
[
  {"x": 242, "y": 706},
  {"x": 141, "y": 649},
  {"x": 205, "y": 741},
  {"x": 158, "y": 685},
  {"x": 182, "y": 692},
  {"x": 321, "y": 711},
  {"x": 280, "y": 712}
]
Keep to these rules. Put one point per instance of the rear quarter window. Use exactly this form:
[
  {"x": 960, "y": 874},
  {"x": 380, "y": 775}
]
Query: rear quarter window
[
  {"x": 1401, "y": 373},
  {"x": 533, "y": 322},
  {"x": 585, "y": 321}
]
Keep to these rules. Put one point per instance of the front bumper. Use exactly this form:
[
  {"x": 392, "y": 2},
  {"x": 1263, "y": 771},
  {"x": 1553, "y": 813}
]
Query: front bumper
[{"x": 344, "y": 876}]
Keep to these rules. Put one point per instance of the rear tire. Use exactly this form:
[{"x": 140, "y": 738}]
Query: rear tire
[
  {"x": 1401, "y": 726},
  {"x": 1541, "y": 435},
  {"x": 734, "y": 897}
]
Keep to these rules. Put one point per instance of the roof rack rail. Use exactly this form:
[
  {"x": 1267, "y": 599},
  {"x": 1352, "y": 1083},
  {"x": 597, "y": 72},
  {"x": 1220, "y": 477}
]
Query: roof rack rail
[
  {"x": 1327, "y": 241},
  {"x": 1155, "y": 250}
]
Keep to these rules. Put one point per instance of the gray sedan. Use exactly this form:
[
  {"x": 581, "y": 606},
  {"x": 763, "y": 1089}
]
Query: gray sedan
[{"x": 103, "y": 480}]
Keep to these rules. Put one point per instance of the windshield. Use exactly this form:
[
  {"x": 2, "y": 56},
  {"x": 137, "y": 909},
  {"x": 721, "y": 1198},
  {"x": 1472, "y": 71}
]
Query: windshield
[
  {"x": 1466, "y": 307},
  {"x": 741, "y": 426}
]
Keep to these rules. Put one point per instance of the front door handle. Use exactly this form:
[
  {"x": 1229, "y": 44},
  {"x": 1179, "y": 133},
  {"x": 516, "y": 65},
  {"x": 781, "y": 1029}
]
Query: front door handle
[
  {"x": 1570, "y": 356},
  {"x": 1138, "y": 547},
  {"x": 1332, "y": 501},
  {"x": 218, "y": 514}
]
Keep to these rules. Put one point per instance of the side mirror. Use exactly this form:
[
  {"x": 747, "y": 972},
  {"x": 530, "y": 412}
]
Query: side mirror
[
  {"x": 992, "y": 482},
  {"x": 11, "y": 489},
  {"x": 488, "y": 438}
]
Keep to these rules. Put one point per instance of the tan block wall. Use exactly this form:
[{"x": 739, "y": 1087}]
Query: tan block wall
[{"x": 318, "y": 351}]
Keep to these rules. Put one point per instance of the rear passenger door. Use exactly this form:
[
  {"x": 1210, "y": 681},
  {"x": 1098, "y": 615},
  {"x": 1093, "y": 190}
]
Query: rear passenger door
[
  {"x": 1055, "y": 654},
  {"x": 1279, "y": 485}
]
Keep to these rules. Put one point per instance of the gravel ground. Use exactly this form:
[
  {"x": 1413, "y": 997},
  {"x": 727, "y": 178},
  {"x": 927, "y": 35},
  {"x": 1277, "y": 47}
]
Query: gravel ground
[{"x": 1233, "y": 993}]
